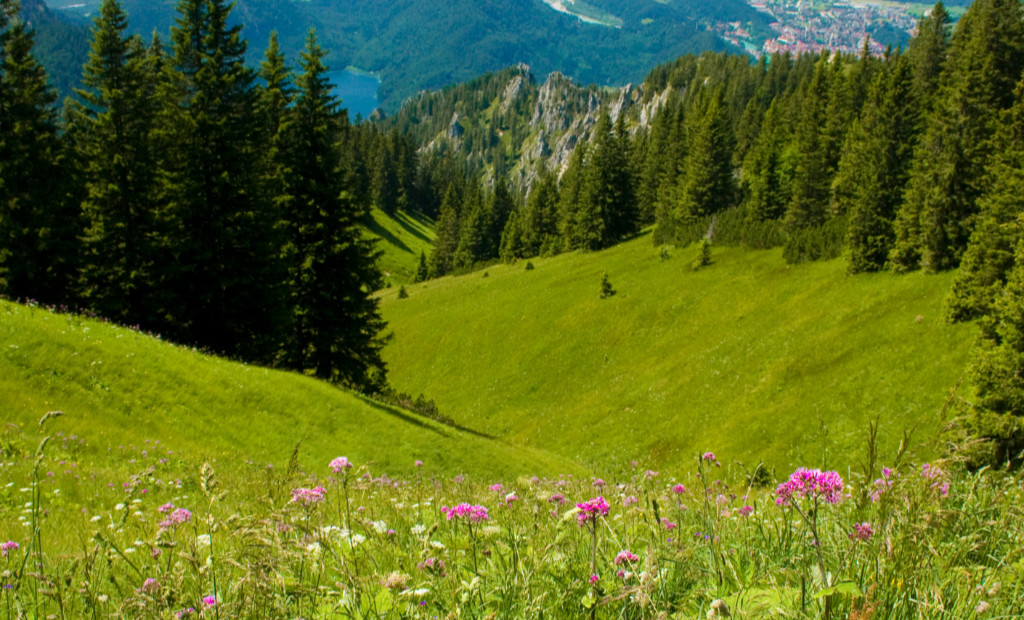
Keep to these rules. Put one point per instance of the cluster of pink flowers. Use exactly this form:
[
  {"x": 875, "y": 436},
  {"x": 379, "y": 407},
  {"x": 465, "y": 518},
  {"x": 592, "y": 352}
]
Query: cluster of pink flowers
[
  {"x": 308, "y": 497},
  {"x": 150, "y": 586},
  {"x": 708, "y": 456},
  {"x": 496, "y": 487},
  {"x": 629, "y": 500},
  {"x": 598, "y": 483},
  {"x": 625, "y": 556},
  {"x": 882, "y": 484},
  {"x": 475, "y": 514},
  {"x": 432, "y": 565},
  {"x": 340, "y": 464},
  {"x": 668, "y": 525},
  {"x": 176, "y": 518},
  {"x": 812, "y": 483},
  {"x": 745, "y": 511},
  {"x": 511, "y": 497},
  {"x": 861, "y": 531},
  {"x": 679, "y": 489},
  {"x": 210, "y": 601},
  {"x": 557, "y": 498},
  {"x": 10, "y": 545},
  {"x": 590, "y": 510}
]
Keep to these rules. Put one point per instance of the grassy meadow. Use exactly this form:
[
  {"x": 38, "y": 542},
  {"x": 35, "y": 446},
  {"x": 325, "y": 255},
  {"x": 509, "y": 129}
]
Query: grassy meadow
[
  {"x": 402, "y": 238},
  {"x": 765, "y": 361}
]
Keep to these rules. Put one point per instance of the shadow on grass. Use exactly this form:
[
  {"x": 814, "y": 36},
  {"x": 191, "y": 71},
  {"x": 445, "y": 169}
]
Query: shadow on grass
[
  {"x": 418, "y": 420},
  {"x": 373, "y": 226},
  {"x": 406, "y": 218}
]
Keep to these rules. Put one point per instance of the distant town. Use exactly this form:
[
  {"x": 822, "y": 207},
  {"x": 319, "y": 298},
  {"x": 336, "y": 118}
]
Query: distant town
[{"x": 804, "y": 26}]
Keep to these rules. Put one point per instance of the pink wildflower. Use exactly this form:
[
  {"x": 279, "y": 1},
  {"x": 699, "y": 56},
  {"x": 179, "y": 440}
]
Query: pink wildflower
[
  {"x": 625, "y": 556},
  {"x": 812, "y": 483},
  {"x": 861, "y": 531},
  {"x": 10, "y": 545},
  {"x": 650, "y": 474},
  {"x": 598, "y": 483},
  {"x": 308, "y": 497},
  {"x": 150, "y": 586},
  {"x": 418, "y": 463},
  {"x": 209, "y": 601},
  {"x": 594, "y": 579},
  {"x": 166, "y": 508},
  {"x": 511, "y": 497},
  {"x": 557, "y": 498},
  {"x": 708, "y": 456},
  {"x": 340, "y": 464},
  {"x": 668, "y": 525},
  {"x": 629, "y": 500},
  {"x": 176, "y": 518},
  {"x": 745, "y": 511},
  {"x": 495, "y": 487},
  {"x": 679, "y": 489},
  {"x": 475, "y": 514},
  {"x": 592, "y": 509}
]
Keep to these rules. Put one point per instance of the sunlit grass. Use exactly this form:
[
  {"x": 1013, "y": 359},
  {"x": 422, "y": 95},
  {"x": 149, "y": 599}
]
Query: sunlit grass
[{"x": 785, "y": 364}]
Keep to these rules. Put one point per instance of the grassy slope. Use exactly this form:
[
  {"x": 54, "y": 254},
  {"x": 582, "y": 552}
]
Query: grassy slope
[
  {"x": 119, "y": 387},
  {"x": 402, "y": 237},
  {"x": 749, "y": 357}
]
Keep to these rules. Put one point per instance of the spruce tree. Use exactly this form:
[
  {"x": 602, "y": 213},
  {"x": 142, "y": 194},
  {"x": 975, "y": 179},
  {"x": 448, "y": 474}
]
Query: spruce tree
[
  {"x": 222, "y": 272},
  {"x": 706, "y": 183},
  {"x": 116, "y": 116},
  {"x": 989, "y": 257},
  {"x": 812, "y": 177},
  {"x": 38, "y": 227},
  {"x": 446, "y": 239},
  {"x": 764, "y": 174},
  {"x": 927, "y": 53},
  {"x": 985, "y": 61},
  {"x": 335, "y": 325},
  {"x": 569, "y": 197},
  {"x": 876, "y": 165}
]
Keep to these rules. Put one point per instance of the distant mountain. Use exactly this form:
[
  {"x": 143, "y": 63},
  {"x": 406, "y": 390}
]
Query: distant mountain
[
  {"x": 426, "y": 44},
  {"x": 62, "y": 44}
]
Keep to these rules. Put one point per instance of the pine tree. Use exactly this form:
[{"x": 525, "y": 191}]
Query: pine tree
[
  {"x": 607, "y": 210},
  {"x": 569, "y": 197},
  {"x": 38, "y": 227},
  {"x": 335, "y": 327},
  {"x": 446, "y": 240},
  {"x": 474, "y": 231},
  {"x": 384, "y": 183},
  {"x": 927, "y": 53},
  {"x": 539, "y": 222},
  {"x": 764, "y": 173},
  {"x": 422, "y": 271},
  {"x": 876, "y": 165},
  {"x": 985, "y": 61},
  {"x": 117, "y": 116},
  {"x": 222, "y": 273},
  {"x": 706, "y": 183},
  {"x": 812, "y": 177},
  {"x": 989, "y": 257}
]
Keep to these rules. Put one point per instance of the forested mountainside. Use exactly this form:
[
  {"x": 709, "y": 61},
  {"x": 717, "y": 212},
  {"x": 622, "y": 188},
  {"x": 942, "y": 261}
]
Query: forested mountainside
[
  {"x": 909, "y": 161},
  {"x": 426, "y": 44},
  {"x": 62, "y": 45}
]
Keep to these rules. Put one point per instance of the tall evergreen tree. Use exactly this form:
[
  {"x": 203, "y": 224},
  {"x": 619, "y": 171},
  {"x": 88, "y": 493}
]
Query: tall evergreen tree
[
  {"x": 812, "y": 177},
  {"x": 989, "y": 257},
  {"x": 446, "y": 238},
  {"x": 876, "y": 164},
  {"x": 223, "y": 269},
  {"x": 927, "y": 52},
  {"x": 116, "y": 117},
  {"x": 335, "y": 325},
  {"x": 569, "y": 197},
  {"x": 38, "y": 227},
  {"x": 985, "y": 61},
  {"x": 706, "y": 185},
  {"x": 764, "y": 174}
]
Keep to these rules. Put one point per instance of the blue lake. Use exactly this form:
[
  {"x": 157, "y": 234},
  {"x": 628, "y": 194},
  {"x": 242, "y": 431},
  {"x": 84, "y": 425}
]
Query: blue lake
[{"x": 357, "y": 91}]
